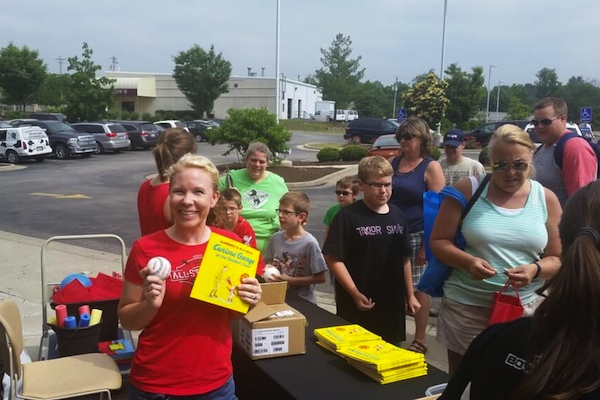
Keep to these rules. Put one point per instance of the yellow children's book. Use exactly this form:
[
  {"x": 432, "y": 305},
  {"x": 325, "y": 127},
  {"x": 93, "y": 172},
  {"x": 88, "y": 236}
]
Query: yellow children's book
[
  {"x": 224, "y": 264},
  {"x": 391, "y": 375},
  {"x": 380, "y": 355},
  {"x": 344, "y": 335}
]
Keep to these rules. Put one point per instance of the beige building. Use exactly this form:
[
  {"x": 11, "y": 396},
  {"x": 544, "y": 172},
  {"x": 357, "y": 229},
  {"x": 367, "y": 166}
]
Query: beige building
[{"x": 149, "y": 92}]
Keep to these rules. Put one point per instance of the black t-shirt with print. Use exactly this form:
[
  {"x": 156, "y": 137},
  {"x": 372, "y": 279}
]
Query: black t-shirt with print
[{"x": 373, "y": 247}]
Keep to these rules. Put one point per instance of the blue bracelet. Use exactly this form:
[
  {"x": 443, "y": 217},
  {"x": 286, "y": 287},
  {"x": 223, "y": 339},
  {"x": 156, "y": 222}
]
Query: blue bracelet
[{"x": 539, "y": 269}]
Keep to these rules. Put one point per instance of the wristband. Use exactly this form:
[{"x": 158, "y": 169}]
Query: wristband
[{"x": 539, "y": 269}]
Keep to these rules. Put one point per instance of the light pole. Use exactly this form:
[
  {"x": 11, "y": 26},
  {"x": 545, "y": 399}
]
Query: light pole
[
  {"x": 277, "y": 85},
  {"x": 487, "y": 108},
  {"x": 439, "y": 125},
  {"x": 498, "y": 100}
]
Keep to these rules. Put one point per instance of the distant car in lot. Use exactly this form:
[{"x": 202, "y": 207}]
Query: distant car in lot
[
  {"x": 27, "y": 142},
  {"x": 385, "y": 146},
  {"x": 109, "y": 135},
  {"x": 4, "y": 124},
  {"x": 65, "y": 140},
  {"x": 366, "y": 130},
  {"x": 200, "y": 127},
  {"x": 142, "y": 134},
  {"x": 483, "y": 133},
  {"x": 47, "y": 116},
  {"x": 172, "y": 123}
]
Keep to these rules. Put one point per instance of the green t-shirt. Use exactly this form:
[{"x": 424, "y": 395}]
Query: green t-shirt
[
  {"x": 259, "y": 201},
  {"x": 331, "y": 212}
]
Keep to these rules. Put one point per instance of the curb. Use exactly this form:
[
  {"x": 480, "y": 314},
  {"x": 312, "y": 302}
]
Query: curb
[
  {"x": 329, "y": 179},
  {"x": 11, "y": 167}
]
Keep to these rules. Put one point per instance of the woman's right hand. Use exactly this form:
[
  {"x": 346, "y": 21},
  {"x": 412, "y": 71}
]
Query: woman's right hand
[
  {"x": 153, "y": 288},
  {"x": 479, "y": 269}
]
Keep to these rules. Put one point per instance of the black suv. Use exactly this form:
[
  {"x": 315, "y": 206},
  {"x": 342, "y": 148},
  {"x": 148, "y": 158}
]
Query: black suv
[
  {"x": 366, "y": 130},
  {"x": 64, "y": 140},
  {"x": 483, "y": 134},
  {"x": 142, "y": 134}
]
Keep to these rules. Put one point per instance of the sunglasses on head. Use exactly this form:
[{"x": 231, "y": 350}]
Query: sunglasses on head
[
  {"x": 407, "y": 136},
  {"x": 544, "y": 122},
  {"x": 343, "y": 193},
  {"x": 518, "y": 165}
]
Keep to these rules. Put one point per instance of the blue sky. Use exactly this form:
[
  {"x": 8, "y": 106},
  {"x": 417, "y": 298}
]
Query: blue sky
[{"x": 394, "y": 37}]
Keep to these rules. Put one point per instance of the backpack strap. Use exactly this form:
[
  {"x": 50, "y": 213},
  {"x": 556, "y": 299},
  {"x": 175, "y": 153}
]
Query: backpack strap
[
  {"x": 475, "y": 196},
  {"x": 229, "y": 181},
  {"x": 559, "y": 148}
]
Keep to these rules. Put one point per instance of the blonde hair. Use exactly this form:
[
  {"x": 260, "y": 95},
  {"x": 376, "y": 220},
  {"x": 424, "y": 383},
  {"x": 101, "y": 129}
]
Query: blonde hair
[
  {"x": 376, "y": 165},
  {"x": 298, "y": 200},
  {"x": 512, "y": 134},
  {"x": 195, "y": 161}
]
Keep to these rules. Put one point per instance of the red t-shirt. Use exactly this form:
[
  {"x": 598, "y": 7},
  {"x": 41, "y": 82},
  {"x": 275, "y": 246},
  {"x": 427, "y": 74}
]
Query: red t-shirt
[
  {"x": 151, "y": 206},
  {"x": 579, "y": 165},
  {"x": 244, "y": 230},
  {"x": 186, "y": 348}
]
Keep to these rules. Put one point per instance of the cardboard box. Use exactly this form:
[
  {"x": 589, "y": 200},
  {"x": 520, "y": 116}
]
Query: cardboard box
[{"x": 272, "y": 328}]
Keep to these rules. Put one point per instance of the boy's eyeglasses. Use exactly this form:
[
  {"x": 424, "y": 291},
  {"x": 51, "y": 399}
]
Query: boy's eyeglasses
[
  {"x": 518, "y": 165},
  {"x": 379, "y": 185},
  {"x": 286, "y": 213},
  {"x": 407, "y": 136},
  {"x": 544, "y": 122},
  {"x": 343, "y": 193}
]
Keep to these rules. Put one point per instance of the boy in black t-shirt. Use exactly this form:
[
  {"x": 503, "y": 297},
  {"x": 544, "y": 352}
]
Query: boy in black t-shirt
[{"x": 367, "y": 250}]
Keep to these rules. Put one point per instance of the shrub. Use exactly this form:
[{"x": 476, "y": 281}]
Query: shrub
[
  {"x": 134, "y": 116},
  {"x": 484, "y": 157},
  {"x": 327, "y": 154},
  {"x": 471, "y": 143},
  {"x": 126, "y": 115},
  {"x": 147, "y": 117},
  {"x": 353, "y": 153},
  {"x": 436, "y": 153}
]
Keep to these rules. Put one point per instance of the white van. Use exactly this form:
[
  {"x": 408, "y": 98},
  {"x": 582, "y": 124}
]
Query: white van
[
  {"x": 351, "y": 115},
  {"x": 24, "y": 142},
  {"x": 340, "y": 115},
  {"x": 323, "y": 116}
]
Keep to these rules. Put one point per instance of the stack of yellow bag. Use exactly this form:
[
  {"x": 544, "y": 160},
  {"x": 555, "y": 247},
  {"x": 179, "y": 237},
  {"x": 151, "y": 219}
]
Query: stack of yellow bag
[{"x": 374, "y": 357}]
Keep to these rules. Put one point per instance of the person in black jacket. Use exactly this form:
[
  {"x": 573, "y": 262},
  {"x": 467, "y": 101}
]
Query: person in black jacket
[{"x": 556, "y": 353}]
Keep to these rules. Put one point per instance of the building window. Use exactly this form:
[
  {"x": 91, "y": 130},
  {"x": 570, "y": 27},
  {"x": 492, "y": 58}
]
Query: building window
[{"x": 128, "y": 106}]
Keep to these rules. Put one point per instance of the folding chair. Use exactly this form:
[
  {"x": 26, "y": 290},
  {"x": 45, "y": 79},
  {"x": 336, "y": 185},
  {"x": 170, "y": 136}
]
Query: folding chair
[{"x": 60, "y": 378}]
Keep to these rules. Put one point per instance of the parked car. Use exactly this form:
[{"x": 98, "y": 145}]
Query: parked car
[
  {"x": 385, "y": 146},
  {"x": 199, "y": 128},
  {"x": 172, "y": 123},
  {"x": 46, "y": 116},
  {"x": 366, "y": 130},
  {"x": 483, "y": 133},
  {"x": 142, "y": 134},
  {"x": 4, "y": 124},
  {"x": 109, "y": 135},
  {"x": 27, "y": 142},
  {"x": 65, "y": 140}
]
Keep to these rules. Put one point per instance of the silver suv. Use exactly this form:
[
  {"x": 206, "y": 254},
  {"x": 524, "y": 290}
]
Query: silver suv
[{"x": 109, "y": 135}]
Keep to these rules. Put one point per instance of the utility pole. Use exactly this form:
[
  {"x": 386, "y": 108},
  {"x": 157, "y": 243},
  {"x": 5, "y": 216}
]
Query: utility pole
[
  {"x": 114, "y": 63},
  {"x": 395, "y": 95},
  {"x": 60, "y": 61},
  {"x": 487, "y": 108}
]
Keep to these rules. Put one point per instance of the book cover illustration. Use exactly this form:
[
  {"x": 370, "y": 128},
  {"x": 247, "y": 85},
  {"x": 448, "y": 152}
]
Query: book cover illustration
[
  {"x": 344, "y": 335},
  {"x": 224, "y": 264},
  {"x": 381, "y": 355}
]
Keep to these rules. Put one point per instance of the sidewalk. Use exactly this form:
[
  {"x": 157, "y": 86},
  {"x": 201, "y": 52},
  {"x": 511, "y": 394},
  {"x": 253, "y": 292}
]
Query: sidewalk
[{"x": 20, "y": 268}]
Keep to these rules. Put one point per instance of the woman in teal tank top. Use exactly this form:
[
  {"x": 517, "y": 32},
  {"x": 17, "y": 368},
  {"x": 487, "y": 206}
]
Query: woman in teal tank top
[{"x": 511, "y": 233}]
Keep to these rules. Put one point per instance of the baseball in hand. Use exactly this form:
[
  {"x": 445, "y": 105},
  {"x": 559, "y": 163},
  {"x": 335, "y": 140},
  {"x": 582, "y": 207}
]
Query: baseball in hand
[
  {"x": 269, "y": 273},
  {"x": 160, "y": 267}
]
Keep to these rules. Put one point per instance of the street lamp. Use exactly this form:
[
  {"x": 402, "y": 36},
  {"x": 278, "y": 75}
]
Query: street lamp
[
  {"x": 498, "y": 100},
  {"x": 487, "y": 108},
  {"x": 277, "y": 85},
  {"x": 439, "y": 126}
]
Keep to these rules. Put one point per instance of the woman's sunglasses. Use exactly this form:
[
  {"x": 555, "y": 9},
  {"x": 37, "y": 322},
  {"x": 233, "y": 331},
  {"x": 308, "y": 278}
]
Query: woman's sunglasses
[
  {"x": 544, "y": 122},
  {"x": 407, "y": 136},
  {"x": 343, "y": 193},
  {"x": 519, "y": 165}
]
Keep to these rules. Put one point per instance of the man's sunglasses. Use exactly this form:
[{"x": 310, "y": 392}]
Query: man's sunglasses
[
  {"x": 544, "y": 122},
  {"x": 343, "y": 193},
  {"x": 518, "y": 165}
]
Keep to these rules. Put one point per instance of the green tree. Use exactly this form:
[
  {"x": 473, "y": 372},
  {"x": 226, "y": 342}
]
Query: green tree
[
  {"x": 517, "y": 109},
  {"x": 427, "y": 99},
  {"x": 341, "y": 74},
  {"x": 464, "y": 92},
  {"x": 22, "y": 73},
  {"x": 243, "y": 127},
  {"x": 375, "y": 100},
  {"x": 202, "y": 77},
  {"x": 579, "y": 93},
  {"x": 54, "y": 90},
  {"x": 88, "y": 98},
  {"x": 547, "y": 83}
]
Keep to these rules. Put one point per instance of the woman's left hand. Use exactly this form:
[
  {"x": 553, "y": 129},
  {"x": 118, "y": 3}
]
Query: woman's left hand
[
  {"x": 521, "y": 275},
  {"x": 250, "y": 291}
]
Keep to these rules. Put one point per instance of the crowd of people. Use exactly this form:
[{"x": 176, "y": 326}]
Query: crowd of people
[{"x": 373, "y": 248}]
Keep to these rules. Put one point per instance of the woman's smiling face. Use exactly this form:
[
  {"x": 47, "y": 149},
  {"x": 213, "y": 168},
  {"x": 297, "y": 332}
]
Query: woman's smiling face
[{"x": 256, "y": 165}]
